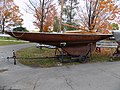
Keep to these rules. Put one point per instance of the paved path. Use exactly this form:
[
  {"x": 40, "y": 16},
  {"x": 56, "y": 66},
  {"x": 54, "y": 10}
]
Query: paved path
[
  {"x": 96, "y": 76},
  {"x": 7, "y": 51}
]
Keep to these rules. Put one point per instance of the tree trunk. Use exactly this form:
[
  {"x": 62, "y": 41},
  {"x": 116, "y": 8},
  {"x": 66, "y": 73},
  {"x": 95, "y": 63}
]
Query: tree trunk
[
  {"x": 89, "y": 15},
  {"x": 3, "y": 26},
  {"x": 42, "y": 19},
  {"x": 71, "y": 12}
]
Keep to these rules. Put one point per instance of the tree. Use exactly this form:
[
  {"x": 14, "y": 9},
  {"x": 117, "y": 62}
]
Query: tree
[
  {"x": 10, "y": 14},
  {"x": 56, "y": 24},
  {"x": 44, "y": 12},
  {"x": 48, "y": 19},
  {"x": 96, "y": 15},
  {"x": 69, "y": 12},
  {"x": 18, "y": 29},
  {"x": 115, "y": 26}
]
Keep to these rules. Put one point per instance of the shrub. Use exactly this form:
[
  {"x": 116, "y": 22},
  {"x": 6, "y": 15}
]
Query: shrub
[{"x": 20, "y": 29}]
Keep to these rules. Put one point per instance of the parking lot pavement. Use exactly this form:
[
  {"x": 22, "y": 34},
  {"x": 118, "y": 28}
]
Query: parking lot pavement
[
  {"x": 96, "y": 76},
  {"x": 7, "y": 51}
]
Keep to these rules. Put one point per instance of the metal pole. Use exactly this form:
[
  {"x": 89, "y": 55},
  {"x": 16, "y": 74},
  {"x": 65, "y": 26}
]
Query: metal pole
[
  {"x": 14, "y": 57},
  {"x": 62, "y": 2}
]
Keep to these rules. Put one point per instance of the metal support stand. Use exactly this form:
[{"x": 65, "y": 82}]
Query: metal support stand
[
  {"x": 116, "y": 54},
  {"x": 59, "y": 54},
  {"x": 62, "y": 55},
  {"x": 90, "y": 51},
  {"x": 13, "y": 57}
]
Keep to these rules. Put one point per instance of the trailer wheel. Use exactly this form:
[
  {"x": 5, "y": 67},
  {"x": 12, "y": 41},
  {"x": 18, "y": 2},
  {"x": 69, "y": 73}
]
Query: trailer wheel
[{"x": 83, "y": 59}]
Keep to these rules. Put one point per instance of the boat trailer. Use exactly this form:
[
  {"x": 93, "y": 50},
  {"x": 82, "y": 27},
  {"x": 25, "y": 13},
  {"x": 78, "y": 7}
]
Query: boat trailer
[
  {"x": 116, "y": 54},
  {"x": 81, "y": 53},
  {"x": 64, "y": 54}
]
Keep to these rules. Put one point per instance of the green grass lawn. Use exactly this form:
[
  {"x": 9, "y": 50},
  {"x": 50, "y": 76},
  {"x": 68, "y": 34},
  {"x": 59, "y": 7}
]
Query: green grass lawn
[
  {"x": 7, "y": 38},
  {"x": 10, "y": 41},
  {"x": 2, "y": 43},
  {"x": 32, "y": 52}
]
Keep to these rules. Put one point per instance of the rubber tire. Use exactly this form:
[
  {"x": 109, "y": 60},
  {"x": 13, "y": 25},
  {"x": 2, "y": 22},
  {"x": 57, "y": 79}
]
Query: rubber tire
[{"x": 83, "y": 59}]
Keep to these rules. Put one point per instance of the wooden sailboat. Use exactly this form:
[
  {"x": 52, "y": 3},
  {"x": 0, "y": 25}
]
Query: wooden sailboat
[
  {"x": 74, "y": 44},
  {"x": 61, "y": 40}
]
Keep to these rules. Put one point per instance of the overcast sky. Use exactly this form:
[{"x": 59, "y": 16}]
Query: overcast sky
[{"x": 28, "y": 18}]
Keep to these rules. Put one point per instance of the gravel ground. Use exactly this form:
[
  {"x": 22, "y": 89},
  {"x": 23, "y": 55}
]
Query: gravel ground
[{"x": 96, "y": 76}]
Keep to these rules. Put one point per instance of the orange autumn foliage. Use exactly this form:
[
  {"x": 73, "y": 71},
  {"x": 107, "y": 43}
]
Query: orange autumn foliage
[
  {"x": 49, "y": 21},
  {"x": 99, "y": 15},
  {"x": 49, "y": 15},
  {"x": 10, "y": 13}
]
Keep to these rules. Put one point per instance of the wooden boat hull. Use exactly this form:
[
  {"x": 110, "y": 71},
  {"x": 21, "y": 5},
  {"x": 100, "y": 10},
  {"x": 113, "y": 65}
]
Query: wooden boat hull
[
  {"x": 81, "y": 50},
  {"x": 59, "y": 39},
  {"x": 74, "y": 44}
]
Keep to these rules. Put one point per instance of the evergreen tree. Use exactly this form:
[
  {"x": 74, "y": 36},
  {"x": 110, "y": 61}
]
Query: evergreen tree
[
  {"x": 69, "y": 12},
  {"x": 115, "y": 26}
]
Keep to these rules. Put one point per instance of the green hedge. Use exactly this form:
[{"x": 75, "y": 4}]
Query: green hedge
[{"x": 20, "y": 29}]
